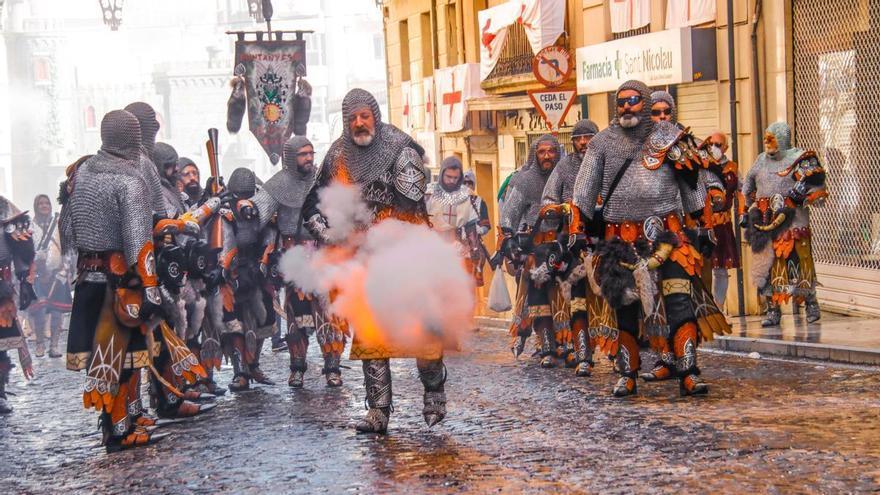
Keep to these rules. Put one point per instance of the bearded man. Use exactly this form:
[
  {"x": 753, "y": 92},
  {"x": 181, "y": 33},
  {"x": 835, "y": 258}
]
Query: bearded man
[
  {"x": 645, "y": 180},
  {"x": 780, "y": 188},
  {"x": 281, "y": 198},
  {"x": 536, "y": 304},
  {"x": 165, "y": 158},
  {"x": 557, "y": 191},
  {"x": 191, "y": 179},
  {"x": 452, "y": 214},
  {"x": 386, "y": 165}
]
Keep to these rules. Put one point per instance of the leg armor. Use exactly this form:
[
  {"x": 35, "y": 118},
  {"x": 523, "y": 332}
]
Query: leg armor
[
  {"x": 685, "y": 348},
  {"x": 583, "y": 352},
  {"x": 256, "y": 372},
  {"x": 773, "y": 316},
  {"x": 377, "y": 382},
  {"x": 544, "y": 329},
  {"x": 331, "y": 370},
  {"x": 5, "y": 366},
  {"x": 237, "y": 353},
  {"x": 626, "y": 363},
  {"x": 432, "y": 373}
]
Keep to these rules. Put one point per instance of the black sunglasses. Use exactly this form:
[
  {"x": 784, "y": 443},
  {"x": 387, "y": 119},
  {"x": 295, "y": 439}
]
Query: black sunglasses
[
  {"x": 632, "y": 100},
  {"x": 661, "y": 111}
]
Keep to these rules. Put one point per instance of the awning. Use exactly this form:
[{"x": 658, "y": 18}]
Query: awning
[{"x": 500, "y": 103}]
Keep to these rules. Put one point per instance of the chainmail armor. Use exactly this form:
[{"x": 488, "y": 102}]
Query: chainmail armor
[
  {"x": 522, "y": 201},
  {"x": 107, "y": 211}
]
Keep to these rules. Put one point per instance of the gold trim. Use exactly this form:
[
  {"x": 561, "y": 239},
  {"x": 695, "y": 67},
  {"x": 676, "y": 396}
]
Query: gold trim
[{"x": 676, "y": 286}]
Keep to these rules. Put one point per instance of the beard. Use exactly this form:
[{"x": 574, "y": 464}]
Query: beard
[
  {"x": 629, "y": 120},
  {"x": 193, "y": 189},
  {"x": 363, "y": 138}
]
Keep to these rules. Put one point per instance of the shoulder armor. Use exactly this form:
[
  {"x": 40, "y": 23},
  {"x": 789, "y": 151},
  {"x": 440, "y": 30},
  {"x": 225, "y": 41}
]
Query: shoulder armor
[
  {"x": 804, "y": 166},
  {"x": 410, "y": 176},
  {"x": 669, "y": 142}
]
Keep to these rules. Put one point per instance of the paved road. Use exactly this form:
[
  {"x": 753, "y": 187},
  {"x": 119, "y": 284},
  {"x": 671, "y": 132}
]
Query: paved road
[{"x": 767, "y": 426}]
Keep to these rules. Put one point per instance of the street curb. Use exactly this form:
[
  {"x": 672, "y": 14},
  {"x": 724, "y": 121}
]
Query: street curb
[{"x": 803, "y": 350}]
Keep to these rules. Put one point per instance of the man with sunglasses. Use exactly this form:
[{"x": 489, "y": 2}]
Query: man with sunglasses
[{"x": 643, "y": 177}]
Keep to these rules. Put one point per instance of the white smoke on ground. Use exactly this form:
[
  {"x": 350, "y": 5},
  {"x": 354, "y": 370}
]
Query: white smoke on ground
[{"x": 406, "y": 276}]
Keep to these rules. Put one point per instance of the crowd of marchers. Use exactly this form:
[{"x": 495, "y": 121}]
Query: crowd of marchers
[{"x": 625, "y": 243}]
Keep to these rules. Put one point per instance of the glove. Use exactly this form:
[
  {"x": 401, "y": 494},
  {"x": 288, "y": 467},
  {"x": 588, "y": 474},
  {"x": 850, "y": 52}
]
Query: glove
[
  {"x": 798, "y": 193},
  {"x": 151, "y": 303},
  {"x": 317, "y": 226},
  {"x": 706, "y": 241},
  {"x": 213, "y": 278}
]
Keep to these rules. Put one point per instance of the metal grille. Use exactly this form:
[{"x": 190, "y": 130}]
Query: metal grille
[
  {"x": 516, "y": 56},
  {"x": 837, "y": 87}
]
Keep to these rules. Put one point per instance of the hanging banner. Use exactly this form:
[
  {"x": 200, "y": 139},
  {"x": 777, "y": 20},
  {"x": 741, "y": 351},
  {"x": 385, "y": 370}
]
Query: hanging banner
[
  {"x": 455, "y": 86},
  {"x": 627, "y": 15},
  {"x": 543, "y": 21},
  {"x": 406, "y": 123},
  {"x": 681, "y": 13},
  {"x": 553, "y": 104},
  {"x": 428, "y": 91},
  {"x": 270, "y": 70}
]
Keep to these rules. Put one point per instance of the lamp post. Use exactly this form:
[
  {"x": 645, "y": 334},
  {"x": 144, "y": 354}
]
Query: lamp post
[{"x": 112, "y": 12}]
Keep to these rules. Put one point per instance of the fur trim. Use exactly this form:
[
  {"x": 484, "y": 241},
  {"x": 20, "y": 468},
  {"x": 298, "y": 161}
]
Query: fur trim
[
  {"x": 236, "y": 105},
  {"x": 762, "y": 262},
  {"x": 617, "y": 283}
]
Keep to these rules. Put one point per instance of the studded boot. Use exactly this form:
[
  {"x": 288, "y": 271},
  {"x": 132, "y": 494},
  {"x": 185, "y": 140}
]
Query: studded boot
[
  {"x": 377, "y": 382},
  {"x": 685, "y": 348},
  {"x": 331, "y": 370},
  {"x": 433, "y": 376}
]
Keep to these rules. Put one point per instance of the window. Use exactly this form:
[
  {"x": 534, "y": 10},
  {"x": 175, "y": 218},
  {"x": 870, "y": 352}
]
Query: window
[
  {"x": 315, "y": 43},
  {"x": 427, "y": 41},
  {"x": 403, "y": 29},
  {"x": 452, "y": 48}
]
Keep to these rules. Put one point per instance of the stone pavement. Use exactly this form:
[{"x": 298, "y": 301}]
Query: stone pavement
[{"x": 768, "y": 426}]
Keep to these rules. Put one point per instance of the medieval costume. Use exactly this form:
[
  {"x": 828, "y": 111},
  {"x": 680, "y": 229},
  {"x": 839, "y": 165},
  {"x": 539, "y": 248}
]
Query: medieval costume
[
  {"x": 484, "y": 225},
  {"x": 779, "y": 189},
  {"x": 16, "y": 264},
  {"x": 539, "y": 305},
  {"x": 557, "y": 191},
  {"x": 725, "y": 255},
  {"x": 281, "y": 198},
  {"x": 51, "y": 283},
  {"x": 246, "y": 294},
  {"x": 646, "y": 177},
  {"x": 453, "y": 215},
  {"x": 117, "y": 290},
  {"x": 386, "y": 165}
]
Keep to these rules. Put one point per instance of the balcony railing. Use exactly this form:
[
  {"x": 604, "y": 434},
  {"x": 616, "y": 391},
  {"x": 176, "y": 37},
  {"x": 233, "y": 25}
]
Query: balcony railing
[{"x": 516, "y": 56}]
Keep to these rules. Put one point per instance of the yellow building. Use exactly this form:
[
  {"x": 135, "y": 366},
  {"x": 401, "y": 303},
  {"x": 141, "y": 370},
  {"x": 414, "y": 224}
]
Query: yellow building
[{"x": 816, "y": 70}]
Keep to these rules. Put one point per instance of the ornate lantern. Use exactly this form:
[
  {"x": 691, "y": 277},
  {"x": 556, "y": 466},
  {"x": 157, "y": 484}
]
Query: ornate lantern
[{"x": 112, "y": 11}]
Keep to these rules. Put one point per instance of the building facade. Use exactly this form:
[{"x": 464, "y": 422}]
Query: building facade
[{"x": 793, "y": 61}]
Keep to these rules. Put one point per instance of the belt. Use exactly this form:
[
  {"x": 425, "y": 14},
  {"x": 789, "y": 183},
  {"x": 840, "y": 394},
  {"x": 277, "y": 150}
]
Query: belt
[
  {"x": 109, "y": 262},
  {"x": 765, "y": 204},
  {"x": 631, "y": 231}
]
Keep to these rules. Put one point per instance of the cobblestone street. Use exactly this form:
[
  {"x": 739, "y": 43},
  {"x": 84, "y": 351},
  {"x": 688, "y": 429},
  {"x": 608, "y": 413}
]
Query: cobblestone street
[{"x": 767, "y": 426}]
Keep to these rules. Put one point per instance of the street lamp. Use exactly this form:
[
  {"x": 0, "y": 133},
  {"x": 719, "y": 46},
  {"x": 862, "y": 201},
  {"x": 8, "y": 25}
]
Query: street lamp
[{"x": 112, "y": 11}]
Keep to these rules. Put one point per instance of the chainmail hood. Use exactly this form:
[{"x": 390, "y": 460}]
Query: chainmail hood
[
  {"x": 584, "y": 127},
  {"x": 783, "y": 136},
  {"x": 532, "y": 162},
  {"x": 471, "y": 177},
  {"x": 242, "y": 182},
  {"x": 146, "y": 116},
  {"x": 451, "y": 162},
  {"x": 121, "y": 135},
  {"x": 367, "y": 163},
  {"x": 290, "y": 149},
  {"x": 164, "y": 155},
  {"x": 645, "y": 123},
  {"x": 667, "y": 98}
]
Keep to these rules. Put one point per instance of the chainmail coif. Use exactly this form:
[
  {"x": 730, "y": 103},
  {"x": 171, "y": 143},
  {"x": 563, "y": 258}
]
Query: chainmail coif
[
  {"x": 121, "y": 135},
  {"x": 242, "y": 182},
  {"x": 524, "y": 191},
  {"x": 290, "y": 149},
  {"x": 584, "y": 127},
  {"x": 149, "y": 125},
  {"x": 667, "y": 98}
]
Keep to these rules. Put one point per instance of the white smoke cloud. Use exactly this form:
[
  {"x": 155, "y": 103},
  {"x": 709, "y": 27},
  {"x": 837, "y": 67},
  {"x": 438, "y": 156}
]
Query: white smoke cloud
[
  {"x": 345, "y": 212},
  {"x": 410, "y": 279}
]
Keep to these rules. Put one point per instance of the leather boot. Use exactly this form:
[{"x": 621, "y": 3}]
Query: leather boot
[
  {"x": 331, "y": 370},
  {"x": 433, "y": 376},
  {"x": 241, "y": 380},
  {"x": 685, "y": 348},
  {"x": 377, "y": 382},
  {"x": 773, "y": 316},
  {"x": 812, "y": 309},
  {"x": 583, "y": 351}
]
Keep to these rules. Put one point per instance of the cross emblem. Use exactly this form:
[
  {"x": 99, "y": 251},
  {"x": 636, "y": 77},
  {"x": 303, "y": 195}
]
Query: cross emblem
[
  {"x": 450, "y": 216},
  {"x": 452, "y": 98},
  {"x": 487, "y": 38}
]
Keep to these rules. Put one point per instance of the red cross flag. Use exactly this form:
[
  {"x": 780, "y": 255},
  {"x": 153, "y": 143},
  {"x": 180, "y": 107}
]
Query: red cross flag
[
  {"x": 428, "y": 92},
  {"x": 455, "y": 85}
]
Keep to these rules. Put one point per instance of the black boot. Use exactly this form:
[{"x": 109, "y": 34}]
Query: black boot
[
  {"x": 377, "y": 381},
  {"x": 331, "y": 370}
]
